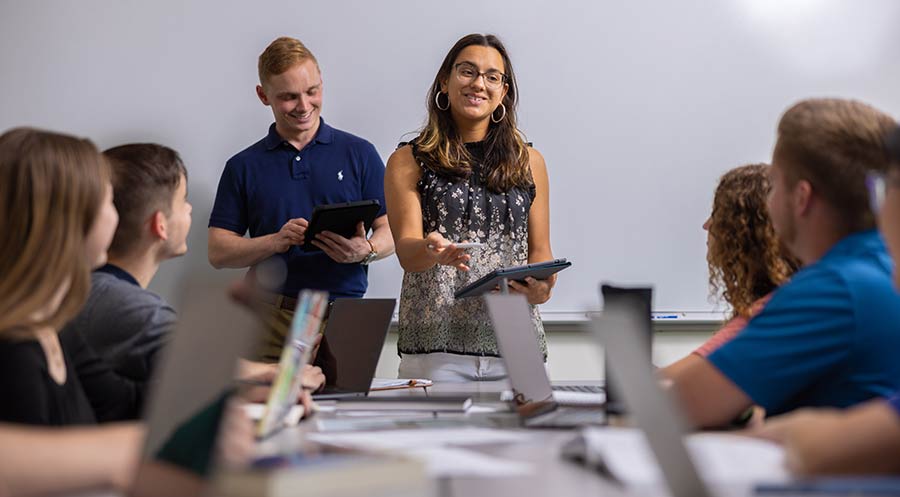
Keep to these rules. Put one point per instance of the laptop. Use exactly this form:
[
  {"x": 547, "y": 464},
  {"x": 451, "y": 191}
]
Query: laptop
[
  {"x": 194, "y": 380},
  {"x": 536, "y": 403},
  {"x": 351, "y": 346},
  {"x": 188, "y": 406},
  {"x": 282, "y": 399},
  {"x": 620, "y": 331},
  {"x": 642, "y": 300}
]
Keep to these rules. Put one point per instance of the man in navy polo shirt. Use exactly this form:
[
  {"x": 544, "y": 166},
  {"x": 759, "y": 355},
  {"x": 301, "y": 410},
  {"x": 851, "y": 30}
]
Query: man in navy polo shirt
[
  {"x": 271, "y": 188},
  {"x": 829, "y": 337}
]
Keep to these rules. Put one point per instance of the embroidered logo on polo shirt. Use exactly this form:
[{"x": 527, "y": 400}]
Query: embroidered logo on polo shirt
[{"x": 341, "y": 175}]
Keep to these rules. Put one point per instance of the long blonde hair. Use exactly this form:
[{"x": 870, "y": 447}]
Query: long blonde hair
[{"x": 51, "y": 186}]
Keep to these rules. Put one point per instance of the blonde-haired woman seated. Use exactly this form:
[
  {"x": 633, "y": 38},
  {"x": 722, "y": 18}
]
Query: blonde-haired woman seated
[{"x": 57, "y": 219}]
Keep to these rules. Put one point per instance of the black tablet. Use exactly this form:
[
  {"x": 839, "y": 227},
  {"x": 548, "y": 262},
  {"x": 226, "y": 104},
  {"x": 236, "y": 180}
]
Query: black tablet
[
  {"x": 341, "y": 219},
  {"x": 538, "y": 271}
]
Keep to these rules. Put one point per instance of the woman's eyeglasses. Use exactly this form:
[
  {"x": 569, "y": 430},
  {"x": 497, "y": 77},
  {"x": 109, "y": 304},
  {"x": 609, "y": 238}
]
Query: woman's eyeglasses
[{"x": 467, "y": 73}]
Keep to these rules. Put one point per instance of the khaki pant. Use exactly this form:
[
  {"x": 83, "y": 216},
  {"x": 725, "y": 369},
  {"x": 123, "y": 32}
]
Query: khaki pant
[{"x": 277, "y": 327}]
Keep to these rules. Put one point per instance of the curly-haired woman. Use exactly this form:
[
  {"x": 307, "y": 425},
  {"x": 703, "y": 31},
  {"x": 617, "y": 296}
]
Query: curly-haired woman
[{"x": 746, "y": 260}]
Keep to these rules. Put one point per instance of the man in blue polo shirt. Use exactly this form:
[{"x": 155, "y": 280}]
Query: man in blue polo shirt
[
  {"x": 828, "y": 337},
  {"x": 271, "y": 188},
  {"x": 865, "y": 438}
]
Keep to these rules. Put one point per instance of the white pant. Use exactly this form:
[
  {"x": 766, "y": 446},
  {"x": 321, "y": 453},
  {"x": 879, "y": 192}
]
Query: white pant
[{"x": 444, "y": 367}]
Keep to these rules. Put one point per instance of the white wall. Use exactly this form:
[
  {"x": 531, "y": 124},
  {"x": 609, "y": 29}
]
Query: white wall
[{"x": 638, "y": 106}]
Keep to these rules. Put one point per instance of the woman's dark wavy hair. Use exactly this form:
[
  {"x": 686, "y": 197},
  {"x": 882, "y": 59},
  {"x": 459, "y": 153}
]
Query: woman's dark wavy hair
[
  {"x": 746, "y": 259},
  {"x": 440, "y": 147}
]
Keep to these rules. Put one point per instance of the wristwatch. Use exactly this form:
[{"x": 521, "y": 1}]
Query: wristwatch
[{"x": 370, "y": 256}]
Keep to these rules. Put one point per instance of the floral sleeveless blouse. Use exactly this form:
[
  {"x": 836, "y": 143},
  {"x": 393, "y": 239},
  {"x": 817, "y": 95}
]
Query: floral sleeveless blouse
[{"x": 431, "y": 320}]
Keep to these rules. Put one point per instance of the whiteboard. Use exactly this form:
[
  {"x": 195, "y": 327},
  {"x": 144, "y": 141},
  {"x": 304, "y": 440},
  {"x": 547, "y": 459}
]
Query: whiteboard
[{"x": 638, "y": 106}]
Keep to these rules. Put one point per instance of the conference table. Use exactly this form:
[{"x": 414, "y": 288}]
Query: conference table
[
  {"x": 538, "y": 450},
  {"x": 549, "y": 474}
]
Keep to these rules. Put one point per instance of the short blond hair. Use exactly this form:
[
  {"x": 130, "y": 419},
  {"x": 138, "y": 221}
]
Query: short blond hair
[
  {"x": 832, "y": 143},
  {"x": 282, "y": 54}
]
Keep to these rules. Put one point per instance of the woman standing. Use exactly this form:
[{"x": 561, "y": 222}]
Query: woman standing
[{"x": 468, "y": 176}]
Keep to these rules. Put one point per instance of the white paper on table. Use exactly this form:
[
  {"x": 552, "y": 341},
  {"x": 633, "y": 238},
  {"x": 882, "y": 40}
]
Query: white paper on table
[
  {"x": 387, "y": 414},
  {"x": 481, "y": 409},
  {"x": 720, "y": 458},
  {"x": 442, "y": 462},
  {"x": 579, "y": 398},
  {"x": 418, "y": 438},
  {"x": 333, "y": 408}
]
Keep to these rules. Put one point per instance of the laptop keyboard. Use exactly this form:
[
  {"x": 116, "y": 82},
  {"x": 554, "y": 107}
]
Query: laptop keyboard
[{"x": 579, "y": 388}]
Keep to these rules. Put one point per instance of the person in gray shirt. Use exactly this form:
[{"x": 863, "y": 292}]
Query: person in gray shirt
[{"x": 122, "y": 321}]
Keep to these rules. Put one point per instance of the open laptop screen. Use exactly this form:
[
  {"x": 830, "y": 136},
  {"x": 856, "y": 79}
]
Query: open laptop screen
[
  {"x": 193, "y": 382},
  {"x": 640, "y": 301},
  {"x": 620, "y": 330},
  {"x": 511, "y": 317},
  {"x": 352, "y": 343}
]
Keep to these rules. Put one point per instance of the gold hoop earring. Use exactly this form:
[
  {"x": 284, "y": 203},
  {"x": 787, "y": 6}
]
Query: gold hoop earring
[
  {"x": 437, "y": 101},
  {"x": 495, "y": 121}
]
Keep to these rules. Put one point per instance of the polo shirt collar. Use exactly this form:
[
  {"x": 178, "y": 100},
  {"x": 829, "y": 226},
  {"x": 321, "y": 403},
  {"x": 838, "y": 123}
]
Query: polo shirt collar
[
  {"x": 325, "y": 134},
  {"x": 118, "y": 273},
  {"x": 273, "y": 139}
]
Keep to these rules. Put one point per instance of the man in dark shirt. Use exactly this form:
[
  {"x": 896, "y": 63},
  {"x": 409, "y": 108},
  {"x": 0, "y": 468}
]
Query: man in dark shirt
[
  {"x": 123, "y": 324},
  {"x": 122, "y": 321},
  {"x": 270, "y": 189}
]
